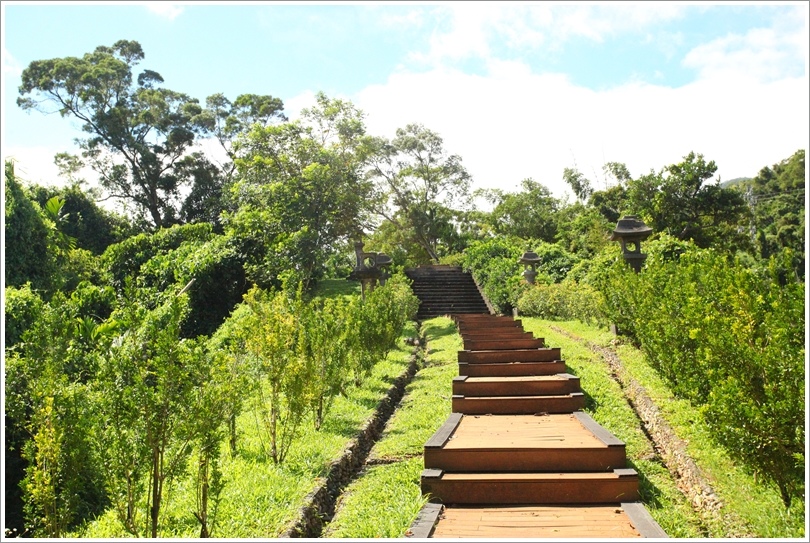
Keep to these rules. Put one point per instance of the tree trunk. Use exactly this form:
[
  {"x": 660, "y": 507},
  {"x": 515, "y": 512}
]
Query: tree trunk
[{"x": 155, "y": 511}]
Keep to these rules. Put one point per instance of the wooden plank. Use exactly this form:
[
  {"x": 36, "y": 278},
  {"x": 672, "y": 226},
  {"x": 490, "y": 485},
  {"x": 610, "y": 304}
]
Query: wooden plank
[
  {"x": 642, "y": 521},
  {"x": 597, "y": 430},
  {"x": 509, "y": 369},
  {"x": 544, "y": 354},
  {"x": 580, "y": 459},
  {"x": 479, "y": 405},
  {"x": 503, "y": 344},
  {"x": 535, "y": 385},
  {"x": 426, "y": 519},
  {"x": 535, "y": 488},
  {"x": 443, "y": 433}
]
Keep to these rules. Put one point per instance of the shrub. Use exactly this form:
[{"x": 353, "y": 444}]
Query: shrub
[
  {"x": 21, "y": 306},
  {"x": 494, "y": 265},
  {"x": 567, "y": 300},
  {"x": 730, "y": 339}
]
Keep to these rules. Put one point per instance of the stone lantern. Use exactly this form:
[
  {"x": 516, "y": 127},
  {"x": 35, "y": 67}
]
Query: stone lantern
[
  {"x": 529, "y": 261},
  {"x": 630, "y": 232},
  {"x": 370, "y": 268}
]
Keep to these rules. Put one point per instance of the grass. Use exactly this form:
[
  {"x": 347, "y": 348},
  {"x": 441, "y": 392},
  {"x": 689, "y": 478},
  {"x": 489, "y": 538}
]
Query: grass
[
  {"x": 260, "y": 499},
  {"x": 329, "y": 288},
  {"x": 606, "y": 404},
  {"x": 385, "y": 499},
  {"x": 751, "y": 506}
]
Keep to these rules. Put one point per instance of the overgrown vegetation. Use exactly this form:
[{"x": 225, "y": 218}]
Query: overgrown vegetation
[{"x": 113, "y": 376}]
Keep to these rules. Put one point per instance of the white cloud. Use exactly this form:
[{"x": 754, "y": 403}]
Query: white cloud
[
  {"x": 11, "y": 68},
  {"x": 765, "y": 54},
  {"x": 474, "y": 30},
  {"x": 515, "y": 124},
  {"x": 169, "y": 10},
  {"x": 35, "y": 164}
]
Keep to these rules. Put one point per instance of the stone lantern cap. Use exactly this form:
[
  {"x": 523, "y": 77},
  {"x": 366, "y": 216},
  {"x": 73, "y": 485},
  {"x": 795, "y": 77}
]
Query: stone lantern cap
[
  {"x": 529, "y": 257},
  {"x": 630, "y": 228}
]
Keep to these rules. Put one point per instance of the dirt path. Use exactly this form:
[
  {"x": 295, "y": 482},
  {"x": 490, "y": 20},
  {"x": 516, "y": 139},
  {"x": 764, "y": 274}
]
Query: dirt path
[{"x": 687, "y": 474}]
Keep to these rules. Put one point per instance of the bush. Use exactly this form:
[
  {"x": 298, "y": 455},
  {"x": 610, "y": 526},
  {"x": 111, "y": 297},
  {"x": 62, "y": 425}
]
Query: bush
[
  {"x": 730, "y": 339},
  {"x": 494, "y": 265},
  {"x": 566, "y": 301},
  {"x": 21, "y": 306}
]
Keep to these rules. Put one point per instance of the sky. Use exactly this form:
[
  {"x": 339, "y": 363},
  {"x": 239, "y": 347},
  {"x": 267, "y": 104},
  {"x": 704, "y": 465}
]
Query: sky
[{"x": 516, "y": 89}]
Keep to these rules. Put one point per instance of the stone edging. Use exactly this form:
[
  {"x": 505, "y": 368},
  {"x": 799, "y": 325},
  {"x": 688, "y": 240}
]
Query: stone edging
[
  {"x": 319, "y": 505},
  {"x": 688, "y": 475}
]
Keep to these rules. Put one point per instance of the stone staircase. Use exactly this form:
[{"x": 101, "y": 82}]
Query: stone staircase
[{"x": 445, "y": 290}]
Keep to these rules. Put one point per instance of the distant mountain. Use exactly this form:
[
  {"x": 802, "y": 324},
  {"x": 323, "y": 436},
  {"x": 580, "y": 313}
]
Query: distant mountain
[{"x": 735, "y": 181}]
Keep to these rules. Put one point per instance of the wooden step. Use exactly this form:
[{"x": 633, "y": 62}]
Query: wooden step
[
  {"x": 529, "y": 385},
  {"x": 484, "y": 319},
  {"x": 500, "y": 333},
  {"x": 518, "y": 405},
  {"x": 544, "y": 354},
  {"x": 503, "y": 344},
  {"x": 594, "y": 522},
  {"x": 530, "y": 488},
  {"x": 523, "y": 443},
  {"x": 507, "y": 369}
]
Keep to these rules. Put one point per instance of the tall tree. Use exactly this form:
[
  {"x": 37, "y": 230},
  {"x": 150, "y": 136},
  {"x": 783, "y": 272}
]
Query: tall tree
[
  {"x": 416, "y": 179},
  {"x": 225, "y": 120},
  {"x": 27, "y": 255},
  {"x": 777, "y": 196},
  {"x": 137, "y": 131},
  {"x": 530, "y": 213},
  {"x": 578, "y": 183},
  {"x": 680, "y": 201},
  {"x": 298, "y": 191}
]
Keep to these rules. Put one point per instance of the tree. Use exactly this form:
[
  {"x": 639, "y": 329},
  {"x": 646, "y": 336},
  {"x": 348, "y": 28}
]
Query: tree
[
  {"x": 148, "y": 389},
  {"x": 226, "y": 120},
  {"x": 138, "y": 132},
  {"x": 93, "y": 227},
  {"x": 416, "y": 181},
  {"x": 776, "y": 196},
  {"x": 679, "y": 200},
  {"x": 527, "y": 214},
  {"x": 578, "y": 183},
  {"x": 299, "y": 192},
  {"x": 27, "y": 253}
]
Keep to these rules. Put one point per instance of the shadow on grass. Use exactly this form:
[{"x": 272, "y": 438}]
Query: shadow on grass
[
  {"x": 435, "y": 330},
  {"x": 650, "y": 494}
]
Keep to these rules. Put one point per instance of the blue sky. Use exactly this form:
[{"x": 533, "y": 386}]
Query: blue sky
[{"x": 517, "y": 89}]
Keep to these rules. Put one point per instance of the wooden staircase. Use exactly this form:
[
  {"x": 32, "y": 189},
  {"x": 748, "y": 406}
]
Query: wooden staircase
[
  {"x": 445, "y": 290},
  {"x": 518, "y": 457}
]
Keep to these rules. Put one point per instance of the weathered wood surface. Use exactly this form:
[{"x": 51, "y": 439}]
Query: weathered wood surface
[
  {"x": 536, "y": 521},
  {"x": 503, "y": 344},
  {"x": 473, "y": 443}
]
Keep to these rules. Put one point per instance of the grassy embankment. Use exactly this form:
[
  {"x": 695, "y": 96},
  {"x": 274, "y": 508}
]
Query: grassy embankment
[
  {"x": 386, "y": 498},
  {"x": 749, "y": 506}
]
